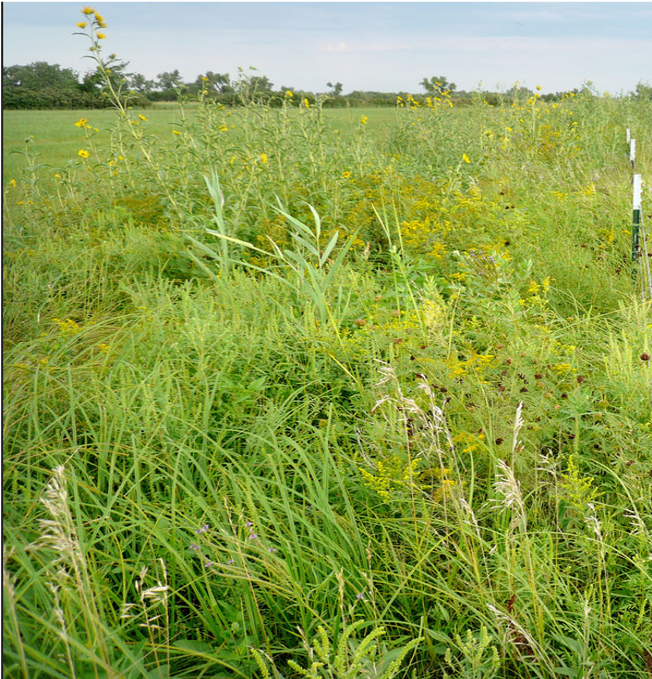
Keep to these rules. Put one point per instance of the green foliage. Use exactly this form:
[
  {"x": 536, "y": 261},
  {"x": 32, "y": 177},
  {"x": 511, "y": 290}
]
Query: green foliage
[
  {"x": 437, "y": 85},
  {"x": 39, "y": 76},
  {"x": 51, "y": 98},
  {"x": 282, "y": 368},
  {"x": 169, "y": 80}
]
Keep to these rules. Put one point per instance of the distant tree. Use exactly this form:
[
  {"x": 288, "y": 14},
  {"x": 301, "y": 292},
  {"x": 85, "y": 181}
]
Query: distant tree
[
  {"x": 516, "y": 92},
  {"x": 39, "y": 75},
  {"x": 139, "y": 83},
  {"x": 169, "y": 80},
  {"x": 94, "y": 81},
  {"x": 336, "y": 89},
  {"x": 219, "y": 82},
  {"x": 47, "y": 86},
  {"x": 260, "y": 84},
  {"x": 643, "y": 91},
  {"x": 437, "y": 85}
]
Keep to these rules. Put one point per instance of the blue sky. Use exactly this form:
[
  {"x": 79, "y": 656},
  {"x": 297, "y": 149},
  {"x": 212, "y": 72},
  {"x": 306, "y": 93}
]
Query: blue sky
[{"x": 386, "y": 46}]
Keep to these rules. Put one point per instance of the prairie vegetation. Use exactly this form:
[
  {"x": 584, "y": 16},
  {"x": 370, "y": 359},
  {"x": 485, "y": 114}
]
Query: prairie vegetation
[{"x": 288, "y": 398}]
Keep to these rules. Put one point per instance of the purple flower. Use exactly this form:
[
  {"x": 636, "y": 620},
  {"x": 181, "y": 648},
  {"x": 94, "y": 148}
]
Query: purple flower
[
  {"x": 201, "y": 530},
  {"x": 360, "y": 596},
  {"x": 271, "y": 549},
  {"x": 230, "y": 561},
  {"x": 208, "y": 564},
  {"x": 253, "y": 536},
  {"x": 249, "y": 523},
  {"x": 194, "y": 546}
]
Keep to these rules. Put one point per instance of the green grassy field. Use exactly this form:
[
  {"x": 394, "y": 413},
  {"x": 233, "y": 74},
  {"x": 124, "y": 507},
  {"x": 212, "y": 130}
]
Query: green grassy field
[
  {"x": 339, "y": 394},
  {"x": 56, "y": 140}
]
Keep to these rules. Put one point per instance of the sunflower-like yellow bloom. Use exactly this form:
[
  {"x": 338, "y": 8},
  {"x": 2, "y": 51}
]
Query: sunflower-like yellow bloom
[
  {"x": 263, "y": 158},
  {"x": 465, "y": 158},
  {"x": 363, "y": 120},
  {"x": 98, "y": 17},
  {"x": 82, "y": 24},
  {"x": 142, "y": 117},
  {"x": 88, "y": 10},
  {"x": 82, "y": 153},
  {"x": 81, "y": 122},
  {"x": 101, "y": 36}
]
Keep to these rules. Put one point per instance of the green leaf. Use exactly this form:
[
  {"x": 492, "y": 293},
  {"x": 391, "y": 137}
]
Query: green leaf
[{"x": 192, "y": 645}]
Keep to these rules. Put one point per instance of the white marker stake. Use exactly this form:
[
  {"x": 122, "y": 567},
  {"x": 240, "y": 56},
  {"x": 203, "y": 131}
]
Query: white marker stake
[
  {"x": 636, "y": 216},
  {"x": 629, "y": 135},
  {"x": 632, "y": 152},
  {"x": 636, "y": 203}
]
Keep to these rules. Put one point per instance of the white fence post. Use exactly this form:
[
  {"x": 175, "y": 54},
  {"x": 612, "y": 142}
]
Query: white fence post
[{"x": 632, "y": 152}]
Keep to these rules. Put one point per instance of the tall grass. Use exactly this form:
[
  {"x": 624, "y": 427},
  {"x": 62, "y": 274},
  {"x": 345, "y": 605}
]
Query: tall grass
[{"x": 399, "y": 425}]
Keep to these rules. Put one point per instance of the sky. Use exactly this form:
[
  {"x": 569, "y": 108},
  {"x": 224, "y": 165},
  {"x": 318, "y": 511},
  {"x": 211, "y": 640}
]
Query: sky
[{"x": 383, "y": 46}]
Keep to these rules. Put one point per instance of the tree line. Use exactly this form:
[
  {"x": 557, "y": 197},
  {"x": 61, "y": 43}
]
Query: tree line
[{"x": 41, "y": 85}]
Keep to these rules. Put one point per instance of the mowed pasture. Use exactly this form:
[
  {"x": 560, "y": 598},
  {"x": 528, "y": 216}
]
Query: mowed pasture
[{"x": 328, "y": 393}]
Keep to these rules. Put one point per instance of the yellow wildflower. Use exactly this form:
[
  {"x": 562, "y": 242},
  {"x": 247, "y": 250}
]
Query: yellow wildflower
[
  {"x": 363, "y": 120},
  {"x": 98, "y": 17},
  {"x": 204, "y": 78},
  {"x": 82, "y": 24},
  {"x": 346, "y": 174},
  {"x": 120, "y": 158},
  {"x": 101, "y": 36},
  {"x": 306, "y": 103},
  {"x": 465, "y": 158},
  {"x": 142, "y": 117},
  {"x": 263, "y": 158},
  {"x": 81, "y": 122},
  {"x": 57, "y": 176},
  {"x": 176, "y": 132},
  {"x": 82, "y": 153},
  {"x": 88, "y": 10},
  {"x": 12, "y": 183},
  {"x": 288, "y": 94}
]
